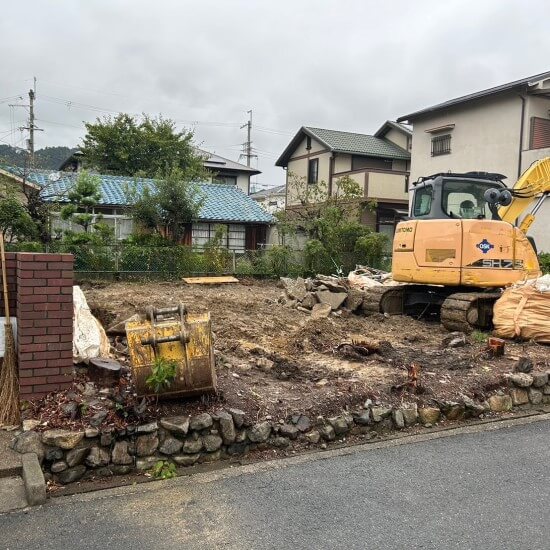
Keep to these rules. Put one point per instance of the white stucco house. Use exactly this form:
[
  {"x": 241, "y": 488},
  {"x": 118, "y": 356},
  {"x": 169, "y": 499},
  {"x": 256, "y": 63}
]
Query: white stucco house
[{"x": 501, "y": 129}]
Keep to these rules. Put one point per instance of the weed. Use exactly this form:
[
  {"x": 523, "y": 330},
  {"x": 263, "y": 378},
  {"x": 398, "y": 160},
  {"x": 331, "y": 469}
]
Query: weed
[
  {"x": 163, "y": 470},
  {"x": 479, "y": 336},
  {"x": 163, "y": 373}
]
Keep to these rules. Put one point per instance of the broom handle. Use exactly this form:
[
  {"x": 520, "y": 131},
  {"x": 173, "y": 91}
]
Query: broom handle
[{"x": 4, "y": 279}]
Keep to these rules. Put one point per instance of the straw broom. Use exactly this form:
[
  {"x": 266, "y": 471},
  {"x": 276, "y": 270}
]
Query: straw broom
[{"x": 10, "y": 414}]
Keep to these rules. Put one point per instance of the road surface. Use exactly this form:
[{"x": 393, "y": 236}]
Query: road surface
[{"x": 484, "y": 490}]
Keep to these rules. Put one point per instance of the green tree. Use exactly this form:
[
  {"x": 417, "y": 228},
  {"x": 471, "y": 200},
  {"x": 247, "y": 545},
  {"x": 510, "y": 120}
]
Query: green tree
[
  {"x": 15, "y": 222},
  {"x": 167, "y": 206},
  {"x": 127, "y": 145},
  {"x": 83, "y": 196}
]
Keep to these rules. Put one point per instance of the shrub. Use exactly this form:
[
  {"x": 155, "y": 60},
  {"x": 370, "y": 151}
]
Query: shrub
[{"x": 544, "y": 261}]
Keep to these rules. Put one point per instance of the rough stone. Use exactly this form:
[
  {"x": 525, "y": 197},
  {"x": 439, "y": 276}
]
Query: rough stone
[
  {"x": 106, "y": 438},
  {"x": 53, "y": 454},
  {"x": 290, "y": 431},
  {"x": 238, "y": 417},
  {"x": 279, "y": 442},
  {"x": 524, "y": 364},
  {"x": 240, "y": 437},
  {"x": 379, "y": 413},
  {"x": 91, "y": 432},
  {"x": 546, "y": 389},
  {"x": 146, "y": 463},
  {"x": 333, "y": 299},
  {"x": 147, "y": 428},
  {"x": 313, "y": 437},
  {"x": 500, "y": 403},
  {"x": 120, "y": 454},
  {"x": 146, "y": 444},
  {"x": 58, "y": 467},
  {"x": 540, "y": 379},
  {"x": 176, "y": 424},
  {"x": 295, "y": 288},
  {"x": 354, "y": 299},
  {"x": 521, "y": 379},
  {"x": 98, "y": 418},
  {"x": 170, "y": 446},
  {"x": 327, "y": 432},
  {"x": 398, "y": 419},
  {"x": 320, "y": 311},
  {"x": 97, "y": 457},
  {"x": 309, "y": 300},
  {"x": 29, "y": 442},
  {"x": 453, "y": 410},
  {"x": 71, "y": 474},
  {"x": 519, "y": 396},
  {"x": 212, "y": 443},
  {"x": 211, "y": 457},
  {"x": 227, "y": 427},
  {"x": 200, "y": 421},
  {"x": 535, "y": 396},
  {"x": 260, "y": 432},
  {"x": 186, "y": 460},
  {"x": 340, "y": 425},
  {"x": 192, "y": 445},
  {"x": 362, "y": 418},
  {"x": 454, "y": 340},
  {"x": 429, "y": 415},
  {"x": 237, "y": 449},
  {"x": 410, "y": 414},
  {"x": 264, "y": 364},
  {"x": 303, "y": 423},
  {"x": 30, "y": 424},
  {"x": 65, "y": 439},
  {"x": 472, "y": 408},
  {"x": 76, "y": 456}
]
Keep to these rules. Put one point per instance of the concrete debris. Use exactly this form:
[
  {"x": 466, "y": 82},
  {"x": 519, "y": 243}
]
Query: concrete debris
[{"x": 320, "y": 311}]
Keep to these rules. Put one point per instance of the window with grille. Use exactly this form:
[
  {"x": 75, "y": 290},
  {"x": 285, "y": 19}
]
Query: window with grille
[
  {"x": 540, "y": 133},
  {"x": 441, "y": 145}
]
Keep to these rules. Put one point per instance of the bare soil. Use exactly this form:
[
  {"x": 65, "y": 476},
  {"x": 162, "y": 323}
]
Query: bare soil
[{"x": 272, "y": 360}]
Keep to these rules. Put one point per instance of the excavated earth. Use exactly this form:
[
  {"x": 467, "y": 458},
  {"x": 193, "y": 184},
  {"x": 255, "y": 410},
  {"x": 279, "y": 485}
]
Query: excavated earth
[{"x": 273, "y": 360}]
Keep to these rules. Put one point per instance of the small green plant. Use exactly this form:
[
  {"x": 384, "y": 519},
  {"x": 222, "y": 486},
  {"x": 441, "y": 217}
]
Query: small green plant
[
  {"x": 163, "y": 470},
  {"x": 479, "y": 337},
  {"x": 163, "y": 373},
  {"x": 544, "y": 261}
]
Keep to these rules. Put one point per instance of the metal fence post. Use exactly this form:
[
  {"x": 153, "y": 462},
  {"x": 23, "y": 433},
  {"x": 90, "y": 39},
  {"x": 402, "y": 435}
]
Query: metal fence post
[{"x": 234, "y": 262}]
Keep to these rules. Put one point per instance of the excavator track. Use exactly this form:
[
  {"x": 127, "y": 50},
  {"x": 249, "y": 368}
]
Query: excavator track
[
  {"x": 467, "y": 311},
  {"x": 384, "y": 299}
]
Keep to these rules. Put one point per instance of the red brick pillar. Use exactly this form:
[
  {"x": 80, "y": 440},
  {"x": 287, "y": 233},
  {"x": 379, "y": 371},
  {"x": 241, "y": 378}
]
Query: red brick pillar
[{"x": 44, "y": 322}]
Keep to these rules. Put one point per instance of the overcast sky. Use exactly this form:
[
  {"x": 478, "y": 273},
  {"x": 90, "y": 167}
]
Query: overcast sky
[{"x": 345, "y": 65}]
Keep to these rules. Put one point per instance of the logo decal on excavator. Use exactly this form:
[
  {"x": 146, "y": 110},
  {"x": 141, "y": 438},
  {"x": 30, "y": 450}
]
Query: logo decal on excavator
[{"x": 485, "y": 246}]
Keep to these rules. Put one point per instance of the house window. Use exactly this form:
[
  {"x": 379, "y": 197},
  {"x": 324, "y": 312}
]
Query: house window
[
  {"x": 227, "y": 180},
  {"x": 313, "y": 170},
  {"x": 540, "y": 133},
  {"x": 441, "y": 145}
]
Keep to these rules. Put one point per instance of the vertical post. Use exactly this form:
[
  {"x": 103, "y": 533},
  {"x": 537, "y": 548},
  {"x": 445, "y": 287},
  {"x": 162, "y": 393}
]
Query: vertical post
[
  {"x": 234, "y": 262},
  {"x": 31, "y": 127}
]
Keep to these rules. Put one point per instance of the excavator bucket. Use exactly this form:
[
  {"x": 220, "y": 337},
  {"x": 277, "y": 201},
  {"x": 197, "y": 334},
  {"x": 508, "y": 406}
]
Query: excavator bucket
[{"x": 174, "y": 335}]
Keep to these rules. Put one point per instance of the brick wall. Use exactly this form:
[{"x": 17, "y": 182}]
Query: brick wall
[{"x": 40, "y": 287}]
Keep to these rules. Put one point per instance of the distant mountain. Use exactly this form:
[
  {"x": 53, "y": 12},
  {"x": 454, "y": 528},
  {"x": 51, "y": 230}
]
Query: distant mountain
[{"x": 48, "y": 158}]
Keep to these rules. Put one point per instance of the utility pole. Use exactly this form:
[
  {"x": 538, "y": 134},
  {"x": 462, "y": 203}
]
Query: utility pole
[
  {"x": 247, "y": 145},
  {"x": 31, "y": 126}
]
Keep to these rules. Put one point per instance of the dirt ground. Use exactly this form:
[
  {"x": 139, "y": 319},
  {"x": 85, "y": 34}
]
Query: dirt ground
[{"x": 272, "y": 360}]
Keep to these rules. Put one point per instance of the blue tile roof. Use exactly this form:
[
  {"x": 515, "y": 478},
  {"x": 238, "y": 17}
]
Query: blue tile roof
[{"x": 221, "y": 202}]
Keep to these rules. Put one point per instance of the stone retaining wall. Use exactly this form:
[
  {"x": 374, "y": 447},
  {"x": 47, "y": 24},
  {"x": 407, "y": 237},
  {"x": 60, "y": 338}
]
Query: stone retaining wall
[{"x": 67, "y": 456}]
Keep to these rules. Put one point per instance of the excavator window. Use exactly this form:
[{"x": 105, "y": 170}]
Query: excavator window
[
  {"x": 423, "y": 201},
  {"x": 464, "y": 199}
]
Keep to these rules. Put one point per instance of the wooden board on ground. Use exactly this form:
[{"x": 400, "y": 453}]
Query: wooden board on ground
[{"x": 210, "y": 280}]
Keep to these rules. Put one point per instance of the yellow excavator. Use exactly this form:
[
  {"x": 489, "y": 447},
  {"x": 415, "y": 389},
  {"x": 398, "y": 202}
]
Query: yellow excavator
[{"x": 461, "y": 246}]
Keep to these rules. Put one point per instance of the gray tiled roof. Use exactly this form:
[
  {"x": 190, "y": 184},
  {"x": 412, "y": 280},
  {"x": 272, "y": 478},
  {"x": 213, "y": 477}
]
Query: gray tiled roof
[
  {"x": 279, "y": 190},
  {"x": 523, "y": 83},
  {"x": 346, "y": 142},
  {"x": 221, "y": 202},
  {"x": 215, "y": 162}
]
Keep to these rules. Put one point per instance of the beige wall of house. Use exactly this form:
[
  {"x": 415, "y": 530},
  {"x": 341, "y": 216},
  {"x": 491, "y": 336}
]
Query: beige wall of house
[{"x": 397, "y": 137}]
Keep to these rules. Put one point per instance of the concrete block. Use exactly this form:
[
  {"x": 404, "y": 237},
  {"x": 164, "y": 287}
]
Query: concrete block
[{"x": 35, "y": 484}]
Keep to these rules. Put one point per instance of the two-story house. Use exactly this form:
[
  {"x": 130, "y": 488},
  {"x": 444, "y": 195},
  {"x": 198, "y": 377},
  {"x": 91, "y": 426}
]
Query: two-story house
[
  {"x": 378, "y": 163},
  {"x": 501, "y": 129}
]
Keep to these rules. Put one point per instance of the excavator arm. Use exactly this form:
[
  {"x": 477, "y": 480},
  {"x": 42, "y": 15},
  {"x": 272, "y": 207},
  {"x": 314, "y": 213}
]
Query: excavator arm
[{"x": 532, "y": 186}]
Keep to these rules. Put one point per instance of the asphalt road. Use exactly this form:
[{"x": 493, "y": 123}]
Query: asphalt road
[{"x": 488, "y": 490}]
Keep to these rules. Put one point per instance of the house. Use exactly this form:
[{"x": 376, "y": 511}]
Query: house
[
  {"x": 378, "y": 163},
  {"x": 272, "y": 199},
  {"x": 222, "y": 170},
  {"x": 501, "y": 129},
  {"x": 246, "y": 222}
]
